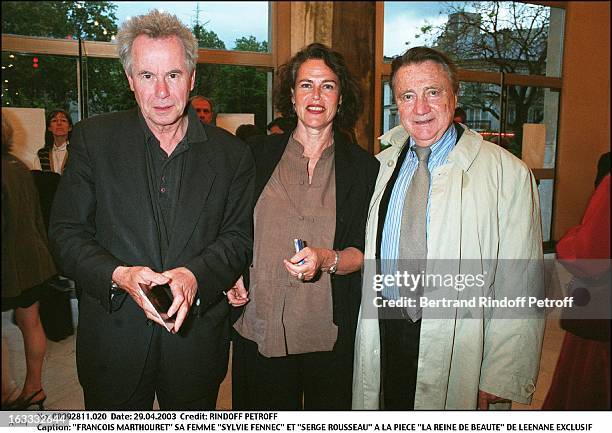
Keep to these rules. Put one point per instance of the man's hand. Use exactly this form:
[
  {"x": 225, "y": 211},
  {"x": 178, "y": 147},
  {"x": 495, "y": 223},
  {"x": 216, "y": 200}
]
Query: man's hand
[
  {"x": 128, "y": 279},
  {"x": 184, "y": 287},
  {"x": 237, "y": 296},
  {"x": 484, "y": 399}
]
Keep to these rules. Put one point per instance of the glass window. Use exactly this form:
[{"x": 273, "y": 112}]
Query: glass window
[
  {"x": 525, "y": 125},
  {"x": 235, "y": 89},
  {"x": 106, "y": 88},
  {"x": 215, "y": 24},
  {"x": 219, "y": 25},
  {"x": 39, "y": 81},
  {"x": 510, "y": 37},
  {"x": 95, "y": 21}
]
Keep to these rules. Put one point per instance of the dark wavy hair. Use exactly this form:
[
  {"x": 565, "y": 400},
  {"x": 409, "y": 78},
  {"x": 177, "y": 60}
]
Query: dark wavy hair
[
  {"x": 351, "y": 107},
  {"x": 418, "y": 55},
  {"x": 48, "y": 135}
]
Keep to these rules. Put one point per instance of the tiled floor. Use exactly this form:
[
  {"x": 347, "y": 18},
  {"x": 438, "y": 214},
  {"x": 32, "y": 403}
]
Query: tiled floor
[{"x": 64, "y": 392}]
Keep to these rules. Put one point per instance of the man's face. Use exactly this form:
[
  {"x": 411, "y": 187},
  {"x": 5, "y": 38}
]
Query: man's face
[
  {"x": 276, "y": 130},
  {"x": 203, "y": 110},
  {"x": 425, "y": 100},
  {"x": 160, "y": 80}
]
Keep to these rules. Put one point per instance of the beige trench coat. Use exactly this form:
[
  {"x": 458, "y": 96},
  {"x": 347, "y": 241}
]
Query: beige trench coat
[{"x": 484, "y": 204}]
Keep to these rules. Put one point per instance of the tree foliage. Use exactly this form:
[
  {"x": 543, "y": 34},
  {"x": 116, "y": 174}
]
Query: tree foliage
[
  {"x": 53, "y": 84},
  {"x": 508, "y": 37},
  {"x": 236, "y": 89}
]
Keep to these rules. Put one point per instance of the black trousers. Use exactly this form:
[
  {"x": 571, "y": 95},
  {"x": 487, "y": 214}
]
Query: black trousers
[
  {"x": 312, "y": 381},
  {"x": 156, "y": 380},
  {"x": 400, "y": 354}
]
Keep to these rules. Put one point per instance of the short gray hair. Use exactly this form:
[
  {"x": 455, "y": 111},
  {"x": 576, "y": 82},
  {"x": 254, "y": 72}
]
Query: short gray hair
[{"x": 156, "y": 25}]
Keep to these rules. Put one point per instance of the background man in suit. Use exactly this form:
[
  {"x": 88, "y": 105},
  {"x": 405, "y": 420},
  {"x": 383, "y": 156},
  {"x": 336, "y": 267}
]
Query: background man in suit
[
  {"x": 153, "y": 196},
  {"x": 203, "y": 107}
]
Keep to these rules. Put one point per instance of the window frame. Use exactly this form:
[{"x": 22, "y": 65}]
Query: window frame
[
  {"x": 279, "y": 23},
  {"x": 382, "y": 73}
]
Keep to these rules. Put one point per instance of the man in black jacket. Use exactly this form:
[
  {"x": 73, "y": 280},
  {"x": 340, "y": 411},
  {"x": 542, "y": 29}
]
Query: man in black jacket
[{"x": 153, "y": 196}]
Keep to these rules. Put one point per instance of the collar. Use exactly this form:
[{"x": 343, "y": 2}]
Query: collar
[
  {"x": 444, "y": 145},
  {"x": 294, "y": 146},
  {"x": 195, "y": 128},
  {"x": 61, "y": 148},
  {"x": 463, "y": 154}
]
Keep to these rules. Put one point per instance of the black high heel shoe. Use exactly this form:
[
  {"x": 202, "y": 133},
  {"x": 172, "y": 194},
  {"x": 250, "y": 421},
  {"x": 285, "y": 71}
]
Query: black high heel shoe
[{"x": 25, "y": 403}]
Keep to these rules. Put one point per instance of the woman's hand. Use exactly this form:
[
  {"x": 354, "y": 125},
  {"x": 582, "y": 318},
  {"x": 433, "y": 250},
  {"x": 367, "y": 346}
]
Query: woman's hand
[
  {"x": 314, "y": 259},
  {"x": 237, "y": 296}
]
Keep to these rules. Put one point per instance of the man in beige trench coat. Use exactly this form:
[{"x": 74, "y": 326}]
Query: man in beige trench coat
[{"x": 483, "y": 208}]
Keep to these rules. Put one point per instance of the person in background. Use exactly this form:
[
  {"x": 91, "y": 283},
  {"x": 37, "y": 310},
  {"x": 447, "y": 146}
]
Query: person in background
[
  {"x": 603, "y": 168},
  {"x": 460, "y": 116},
  {"x": 53, "y": 156},
  {"x": 245, "y": 131},
  {"x": 582, "y": 376},
  {"x": 203, "y": 107},
  {"x": 281, "y": 125},
  {"x": 294, "y": 347},
  {"x": 26, "y": 266},
  {"x": 446, "y": 198},
  {"x": 48, "y": 167},
  {"x": 153, "y": 196}
]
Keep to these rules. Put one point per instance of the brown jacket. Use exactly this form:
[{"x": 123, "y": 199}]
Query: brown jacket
[{"x": 26, "y": 261}]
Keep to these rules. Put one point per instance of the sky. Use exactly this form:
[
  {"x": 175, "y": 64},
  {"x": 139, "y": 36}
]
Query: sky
[
  {"x": 232, "y": 20},
  {"x": 229, "y": 20},
  {"x": 403, "y": 21}
]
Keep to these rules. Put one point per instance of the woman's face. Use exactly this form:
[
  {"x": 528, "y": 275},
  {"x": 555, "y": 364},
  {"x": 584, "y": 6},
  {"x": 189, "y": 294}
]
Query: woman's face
[
  {"x": 59, "y": 125},
  {"x": 316, "y": 94}
]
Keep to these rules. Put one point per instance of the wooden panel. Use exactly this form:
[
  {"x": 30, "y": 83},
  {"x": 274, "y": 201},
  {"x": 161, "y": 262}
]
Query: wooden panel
[
  {"x": 584, "y": 117},
  {"x": 281, "y": 32},
  {"x": 70, "y": 47},
  {"x": 219, "y": 57},
  {"x": 62, "y": 47},
  {"x": 311, "y": 21},
  {"x": 378, "y": 74},
  {"x": 357, "y": 47}
]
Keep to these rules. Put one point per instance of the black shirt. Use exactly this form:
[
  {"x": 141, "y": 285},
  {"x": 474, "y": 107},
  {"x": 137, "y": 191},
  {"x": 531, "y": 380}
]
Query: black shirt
[{"x": 165, "y": 174}]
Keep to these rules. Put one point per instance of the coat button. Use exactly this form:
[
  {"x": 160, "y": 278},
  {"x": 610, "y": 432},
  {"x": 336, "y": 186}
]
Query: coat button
[
  {"x": 529, "y": 388},
  {"x": 390, "y": 163}
]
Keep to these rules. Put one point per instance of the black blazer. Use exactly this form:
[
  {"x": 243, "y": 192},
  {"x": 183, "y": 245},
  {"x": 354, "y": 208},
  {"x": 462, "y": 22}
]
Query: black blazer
[
  {"x": 103, "y": 217},
  {"x": 356, "y": 172}
]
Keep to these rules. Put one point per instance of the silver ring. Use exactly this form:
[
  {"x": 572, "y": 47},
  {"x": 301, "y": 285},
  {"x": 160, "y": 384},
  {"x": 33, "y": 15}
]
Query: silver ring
[{"x": 300, "y": 276}]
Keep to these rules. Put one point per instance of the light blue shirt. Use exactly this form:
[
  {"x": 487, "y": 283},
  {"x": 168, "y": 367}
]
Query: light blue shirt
[{"x": 389, "y": 248}]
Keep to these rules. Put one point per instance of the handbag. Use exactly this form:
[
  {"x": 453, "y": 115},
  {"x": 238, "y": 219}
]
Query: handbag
[
  {"x": 584, "y": 291},
  {"x": 56, "y": 311}
]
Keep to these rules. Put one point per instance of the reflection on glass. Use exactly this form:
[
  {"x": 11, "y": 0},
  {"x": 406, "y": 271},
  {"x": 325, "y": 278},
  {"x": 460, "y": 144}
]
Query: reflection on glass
[
  {"x": 39, "y": 81},
  {"x": 510, "y": 37},
  {"x": 234, "y": 89},
  {"x": 94, "y": 21},
  {"x": 219, "y": 25},
  {"x": 107, "y": 88}
]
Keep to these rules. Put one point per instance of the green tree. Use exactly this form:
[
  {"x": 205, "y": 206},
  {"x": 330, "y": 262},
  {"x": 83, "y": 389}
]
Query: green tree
[
  {"x": 243, "y": 89},
  {"x": 54, "y": 83},
  {"x": 236, "y": 89},
  {"x": 508, "y": 37}
]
